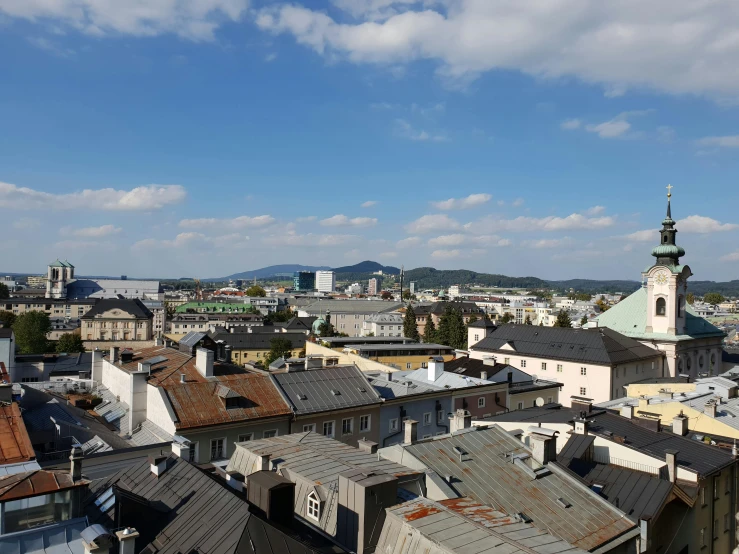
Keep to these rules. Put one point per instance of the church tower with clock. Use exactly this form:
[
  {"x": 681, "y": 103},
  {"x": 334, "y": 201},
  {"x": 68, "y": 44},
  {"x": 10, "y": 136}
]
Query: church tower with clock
[{"x": 667, "y": 282}]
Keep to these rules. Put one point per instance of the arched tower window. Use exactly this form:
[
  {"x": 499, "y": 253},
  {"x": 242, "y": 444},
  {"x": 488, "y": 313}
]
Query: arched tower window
[{"x": 661, "y": 306}]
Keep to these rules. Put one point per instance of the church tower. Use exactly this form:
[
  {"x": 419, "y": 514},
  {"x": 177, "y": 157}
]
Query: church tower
[
  {"x": 667, "y": 282},
  {"x": 59, "y": 274}
]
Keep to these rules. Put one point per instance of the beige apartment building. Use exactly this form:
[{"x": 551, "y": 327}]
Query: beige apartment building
[{"x": 117, "y": 320}]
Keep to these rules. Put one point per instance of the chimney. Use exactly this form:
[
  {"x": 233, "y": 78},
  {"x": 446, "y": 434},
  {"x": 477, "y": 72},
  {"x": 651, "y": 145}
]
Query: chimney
[
  {"x": 114, "y": 354},
  {"x": 182, "y": 378},
  {"x": 543, "y": 444},
  {"x": 671, "y": 459},
  {"x": 97, "y": 365},
  {"x": 581, "y": 404},
  {"x": 484, "y": 375},
  {"x": 664, "y": 393},
  {"x": 710, "y": 408},
  {"x": 159, "y": 341},
  {"x": 680, "y": 424},
  {"x": 204, "y": 362},
  {"x": 461, "y": 419},
  {"x": 181, "y": 448},
  {"x": 489, "y": 360},
  {"x": 389, "y": 376},
  {"x": 6, "y": 393},
  {"x": 264, "y": 462},
  {"x": 436, "y": 367},
  {"x": 127, "y": 539},
  {"x": 228, "y": 353},
  {"x": 581, "y": 424},
  {"x": 410, "y": 428},
  {"x": 235, "y": 480},
  {"x": 627, "y": 411},
  {"x": 76, "y": 463},
  {"x": 643, "y": 403},
  {"x": 367, "y": 446},
  {"x": 144, "y": 367},
  {"x": 158, "y": 465}
]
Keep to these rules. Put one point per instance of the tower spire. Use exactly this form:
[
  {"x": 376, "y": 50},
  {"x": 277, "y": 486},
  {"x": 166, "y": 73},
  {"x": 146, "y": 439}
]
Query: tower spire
[
  {"x": 668, "y": 253},
  {"x": 669, "y": 195}
]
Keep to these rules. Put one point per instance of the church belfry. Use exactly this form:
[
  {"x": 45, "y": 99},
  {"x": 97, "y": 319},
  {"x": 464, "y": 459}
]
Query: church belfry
[{"x": 666, "y": 281}]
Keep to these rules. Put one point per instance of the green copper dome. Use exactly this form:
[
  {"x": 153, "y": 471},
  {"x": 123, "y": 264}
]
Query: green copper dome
[{"x": 668, "y": 251}]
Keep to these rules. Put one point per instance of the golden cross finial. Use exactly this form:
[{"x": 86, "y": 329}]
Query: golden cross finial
[{"x": 669, "y": 190}]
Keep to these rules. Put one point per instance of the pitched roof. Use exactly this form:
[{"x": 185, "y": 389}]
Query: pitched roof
[
  {"x": 398, "y": 387},
  {"x": 132, "y": 306},
  {"x": 111, "y": 288},
  {"x": 200, "y": 404},
  {"x": 483, "y": 323},
  {"x": 472, "y": 367},
  {"x": 15, "y": 444},
  {"x": 485, "y": 473},
  {"x": 438, "y": 308},
  {"x": 34, "y": 483},
  {"x": 6, "y": 332},
  {"x": 629, "y": 317},
  {"x": 596, "y": 346},
  {"x": 331, "y": 388},
  {"x": 61, "y": 538}
]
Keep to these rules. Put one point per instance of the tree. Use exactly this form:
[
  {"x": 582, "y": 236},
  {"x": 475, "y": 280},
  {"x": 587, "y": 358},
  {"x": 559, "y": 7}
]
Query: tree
[
  {"x": 278, "y": 348},
  {"x": 714, "y": 298},
  {"x": 171, "y": 311},
  {"x": 690, "y": 298},
  {"x": 278, "y": 317},
  {"x": 527, "y": 321},
  {"x": 602, "y": 305},
  {"x": 69, "y": 343},
  {"x": 406, "y": 295},
  {"x": 584, "y": 320},
  {"x": 506, "y": 317},
  {"x": 30, "y": 331},
  {"x": 325, "y": 329},
  {"x": 7, "y": 318},
  {"x": 4, "y": 291},
  {"x": 410, "y": 328},
  {"x": 472, "y": 319},
  {"x": 256, "y": 290},
  {"x": 386, "y": 295},
  {"x": 563, "y": 319},
  {"x": 452, "y": 331},
  {"x": 429, "y": 330}
]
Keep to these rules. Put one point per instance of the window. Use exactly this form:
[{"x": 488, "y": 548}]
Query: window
[
  {"x": 424, "y": 365},
  {"x": 217, "y": 450},
  {"x": 583, "y": 391},
  {"x": 506, "y": 360},
  {"x": 364, "y": 423},
  {"x": 680, "y": 306},
  {"x": 193, "y": 452},
  {"x": 481, "y": 402},
  {"x": 246, "y": 438},
  {"x": 543, "y": 366},
  {"x": 715, "y": 528},
  {"x": 408, "y": 365},
  {"x": 559, "y": 368},
  {"x": 477, "y": 338},
  {"x": 347, "y": 426},
  {"x": 393, "y": 425},
  {"x": 661, "y": 307},
  {"x": 313, "y": 510},
  {"x": 309, "y": 428},
  {"x": 549, "y": 399},
  {"x": 427, "y": 418},
  {"x": 703, "y": 496},
  {"x": 715, "y": 487},
  {"x": 269, "y": 434},
  {"x": 520, "y": 406},
  {"x": 523, "y": 363},
  {"x": 328, "y": 429},
  {"x": 583, "y": 371},
  {"x": 440, "y": 416}
]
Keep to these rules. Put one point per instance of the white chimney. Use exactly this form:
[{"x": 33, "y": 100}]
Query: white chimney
[
  {"x": 127, "y": 539},
  {"x": 204, "y": 362},
  {"x": 671, "y": 459},
  {"x": 680, "y": 424},
  {"x": 114, "y": 354},
  {"x": 627, "y": 411},
  {"x": 436, "y": 367},
  {"x": 158, "y": 464},
  {"x": 710, "y": 408},
  {"x": 181, "y": 448},
  {"x": 367, "y": 446},
  {"x": 75, "y": 459},
  {"x": 461, "y": 419},
  {"x": 484, "y": 375},
  {"x": 182, "y": 378},
  {"x": 543, "y": 444},
  {"x": 264, "y": 462},
  {"x": 410, "y": 428}
]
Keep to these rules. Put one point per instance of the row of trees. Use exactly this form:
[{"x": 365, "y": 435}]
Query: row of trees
[
  {"x": 452, "y": 330},
  {"x": 31, "y": 330}
]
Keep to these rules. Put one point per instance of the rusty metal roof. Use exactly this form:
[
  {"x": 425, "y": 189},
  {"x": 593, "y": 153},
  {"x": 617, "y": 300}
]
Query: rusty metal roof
[
  {"x": 200, "y": 404},
  {"x": 15, "y": 444},
  {"x": 35, "y": 483},
  {"x": 463, "y": 525},
  {"x": 486, "y": 473}
]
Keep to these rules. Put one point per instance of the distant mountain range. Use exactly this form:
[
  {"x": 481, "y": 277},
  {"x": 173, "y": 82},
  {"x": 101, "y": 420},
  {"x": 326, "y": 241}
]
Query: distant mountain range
[
  {"x": 368, "y": 267},
  {"x": 270, "y": 271}
]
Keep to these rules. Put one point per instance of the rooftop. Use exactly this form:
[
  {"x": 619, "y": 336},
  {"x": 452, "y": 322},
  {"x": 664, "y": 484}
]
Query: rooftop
[
  {"x": 597, "y": 346},
  {"x": 61, "y": 538},
  {"x": 15, "y": 445},
  {"x": 35, "y": 483},
  {"x": 330, "y": 388},
  {"x": 411, "y": 347},
  {"x": 110, "y": 288},
  {"x": 360, "y": 306},
  {"x": 398, "y": 388},
  {"x": 257, "y": 341},
  {"x": 132, "y": 306}
]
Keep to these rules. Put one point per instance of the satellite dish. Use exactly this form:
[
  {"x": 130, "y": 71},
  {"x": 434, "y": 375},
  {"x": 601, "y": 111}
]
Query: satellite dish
[{"x": 539, "y": 402}]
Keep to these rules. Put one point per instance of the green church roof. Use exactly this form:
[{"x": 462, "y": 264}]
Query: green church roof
[
  {"x": 629, "y": 317},
  {"x": 668, "y": 251}
]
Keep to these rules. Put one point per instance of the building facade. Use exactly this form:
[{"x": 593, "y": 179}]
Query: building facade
[
  {"x": 325, "y": 281},
  {"x": 373, "y": 288},
  {"x": 383, "y": 325},
  {"x": 117, "y": 320},
  {"x": 304, "y": 281}
]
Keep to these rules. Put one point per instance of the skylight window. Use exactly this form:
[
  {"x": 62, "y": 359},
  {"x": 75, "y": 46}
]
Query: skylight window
[{"x": 106, "y": 500}]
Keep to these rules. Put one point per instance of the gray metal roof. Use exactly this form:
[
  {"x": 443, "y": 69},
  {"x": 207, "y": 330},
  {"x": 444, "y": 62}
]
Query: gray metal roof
[
  {"x": 192, "y": 338},
  {"x": 60, "y": 538},
  {"x": 259, "y": 341},
  {"x": 401, "y": 348},
  {"x": 314, "y": 462},
  {"x": 462, "y": 526},
  {"x": 576, "y": 446},
  {"x": 331, "y": 388},
  {"x": 346, "y": 341},
  {"x": 486, "y": 473},
  {"x": 596, "y": 346},
  {"x": 110, "y": 288},
  {"x": 398, "y": 388}
]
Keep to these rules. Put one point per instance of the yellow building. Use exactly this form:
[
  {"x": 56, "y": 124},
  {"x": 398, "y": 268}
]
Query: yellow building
[
  {"x": 250, "y": 348},
  {"x": 114, "y": 319},
  {"x": 402, "y": 356}
]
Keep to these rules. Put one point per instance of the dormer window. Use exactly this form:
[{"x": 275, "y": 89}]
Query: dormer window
[{"x": 313, "y": 507}]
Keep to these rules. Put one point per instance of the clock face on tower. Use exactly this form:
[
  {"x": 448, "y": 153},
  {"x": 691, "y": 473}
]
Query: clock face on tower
[{"x": 661, "y": 278}]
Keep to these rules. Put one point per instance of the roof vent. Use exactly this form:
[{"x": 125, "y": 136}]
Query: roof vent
[
  {"x": 562, "y": 502},
  {"x": 335, "y": 392},
  {"x": 301, "y": 396},
  {"x": 361, "y": 389}
]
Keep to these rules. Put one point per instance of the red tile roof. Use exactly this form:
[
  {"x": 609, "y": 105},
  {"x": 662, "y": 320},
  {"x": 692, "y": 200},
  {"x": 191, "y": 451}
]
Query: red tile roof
[
  {"x": 15, "y": 445},
  {"x": 34, "y": 483}
]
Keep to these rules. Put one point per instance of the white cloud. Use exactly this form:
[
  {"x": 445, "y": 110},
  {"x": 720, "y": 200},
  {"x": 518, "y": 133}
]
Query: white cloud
[
  {"x": 192, "y": 240},
  {"x": 388, "y": 255},
  {"x": 470, "y": 201},
  {"x": 645, "y": 235},
  {"x": 193, "y": 20},
  {"x": 732, "y": 257},
  {"x": 405, "y": 130},
  {"x": 66, "y": 245},
  {"x": 446, "y": 254},
  {"x": 429, "y": 111},
  {"x": 570, "y": 124},
  {"x": 518, "y": 202},
  {"x": 146, "y": 198},
  {"x": 617, "y": 127},
  {"x": 270, "y": 57},
  {"x": 409, "y": 242},
  {"x": 369, "y": 203},
  {"x": 102, "y": 231},
  {"x": 548, "y": 243},
  {"x": 310, "y": 240},
  {"x": 688, "y": 45},
  {"x": 549, "y": 223},
  {"x": 241, "y": 222},
  {"x": 702, "y": 224},
  {"x": 595, "y": 210},
  {"x": 341, "y": 220},
  {"x": 50, "y": 46},
  {"x": 306, "y": 219},
  {"x": 432, "y": 222},
  {"x": 460, "y": 239},
  {"x": 729, "y": 141}
]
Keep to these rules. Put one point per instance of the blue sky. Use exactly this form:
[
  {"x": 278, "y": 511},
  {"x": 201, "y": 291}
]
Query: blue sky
[{"x": 207, "y": 137}]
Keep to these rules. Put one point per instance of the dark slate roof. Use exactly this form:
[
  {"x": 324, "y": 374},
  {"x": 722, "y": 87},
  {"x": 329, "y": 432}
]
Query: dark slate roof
[
  {"x": 483, "y": 323},
  {"x": 316, "y": 390},
  {"x": 473, "y": 368},
  {"x": 192, "y": 338},
  {"x": 297, "y": 323},
  {"x": 576, "y": 446},
  {"x": 132, "y": 306},
  {"x": 692, "y": 454},
  {"x": 5, "y": 333},
  {"x": 597, "y": 346},
  {"x": 257, "y": 341}
]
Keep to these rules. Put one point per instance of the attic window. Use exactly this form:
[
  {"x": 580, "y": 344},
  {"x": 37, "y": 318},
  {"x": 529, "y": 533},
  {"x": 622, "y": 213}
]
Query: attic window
[
  {"x": 313, "y": 507},
  {"x": 335, "y": 392}
]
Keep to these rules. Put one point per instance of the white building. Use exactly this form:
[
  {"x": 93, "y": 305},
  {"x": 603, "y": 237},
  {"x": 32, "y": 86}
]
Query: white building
[
  {"x": 325, "y": 281},
  {"x": 383, "y": 325},
  {"x": 355, "y": 288},
  {"x": 454, "y": 292},
  {"x": 374, "y": 287}
]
